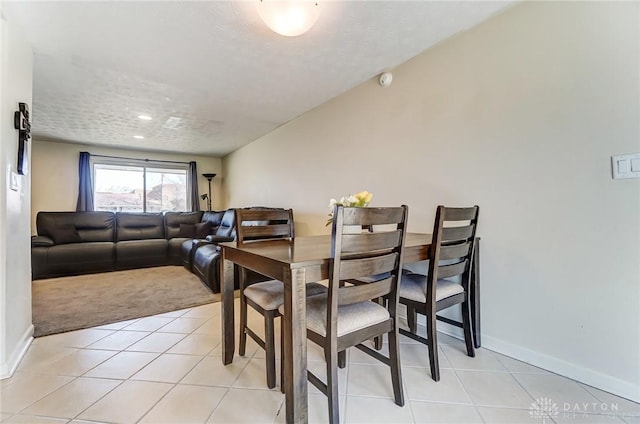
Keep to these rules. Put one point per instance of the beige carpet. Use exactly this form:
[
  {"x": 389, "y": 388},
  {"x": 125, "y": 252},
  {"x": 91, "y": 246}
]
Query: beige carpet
[{"x": 71, "y": 303}]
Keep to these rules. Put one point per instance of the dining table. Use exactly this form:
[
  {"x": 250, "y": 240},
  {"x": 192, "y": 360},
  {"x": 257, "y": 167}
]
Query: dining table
[{"x": 297, "y": 262}]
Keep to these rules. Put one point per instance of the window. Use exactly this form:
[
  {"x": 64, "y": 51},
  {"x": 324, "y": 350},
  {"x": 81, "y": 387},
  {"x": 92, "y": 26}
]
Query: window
[{"x": 139, "y": 186}]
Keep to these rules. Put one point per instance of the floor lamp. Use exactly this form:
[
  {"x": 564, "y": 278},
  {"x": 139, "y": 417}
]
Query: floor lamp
[{"x": 209, "y": 177}]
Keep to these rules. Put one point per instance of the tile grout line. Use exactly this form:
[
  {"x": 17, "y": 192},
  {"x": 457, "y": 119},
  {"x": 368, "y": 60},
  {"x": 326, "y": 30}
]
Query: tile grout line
[
  {"x": 464, "y": 389},
  {"x": 158, "y": 356},
  {"x": 87, "y": 347},
  {"x": 121, "y": 381}
]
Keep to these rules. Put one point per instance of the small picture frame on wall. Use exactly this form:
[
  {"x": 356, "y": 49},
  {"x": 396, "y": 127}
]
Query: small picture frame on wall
[{"x": 23, "y": 125}]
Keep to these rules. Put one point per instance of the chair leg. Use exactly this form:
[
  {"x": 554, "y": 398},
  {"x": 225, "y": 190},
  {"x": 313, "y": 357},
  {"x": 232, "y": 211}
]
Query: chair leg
[
  {"x": 332, "y": 385},
  {"x": 412, "y": 319},
  {"x": 282, "y": 355},
  {"x": 342, "y": 359},
  {"x": 242, "y": 346},
  {"x": 433, "y": 346},
  {"x": 270, "y": 349},
  {"x": 466, "y": 326},
  {"x": 377, "y": 341},
  {"x": 396, "y": 372}
]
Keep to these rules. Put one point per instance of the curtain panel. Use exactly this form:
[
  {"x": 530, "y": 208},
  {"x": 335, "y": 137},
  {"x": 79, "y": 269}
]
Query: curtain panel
[
  {"x": 192, "y": 183},
  {"x": 85, "y": 187}
]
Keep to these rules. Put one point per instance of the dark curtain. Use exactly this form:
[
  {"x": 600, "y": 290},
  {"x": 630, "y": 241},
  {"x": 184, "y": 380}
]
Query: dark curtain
[
  {"x": 193, "y": 186},
  {"x": 85, "y": 188}
]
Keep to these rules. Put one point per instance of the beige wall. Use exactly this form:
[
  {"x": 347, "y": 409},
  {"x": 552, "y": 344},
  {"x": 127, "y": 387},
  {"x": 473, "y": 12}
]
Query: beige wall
[
  {"x": 16, "y": 330},
  {"x": 55, "y": 174},
  {"x": 519, "y": 115}
]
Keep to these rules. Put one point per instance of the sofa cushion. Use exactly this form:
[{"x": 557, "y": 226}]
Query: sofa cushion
[
  {"x": 141, "y": 253},
  {"x": 187, "y": 230},
  {"x": 174, "y": 252},
  {"x": 214, "y": 218},
  {"x": 41, "y": 241},
  {"x": 90, "y": 226},
  {"x": 139, "y": 226},
  {"x": 72, "y": 259},
  {"x": 202, "y": 230},
  {"x": 174, "y": 220},
  {"x": 65, "y": 234}
]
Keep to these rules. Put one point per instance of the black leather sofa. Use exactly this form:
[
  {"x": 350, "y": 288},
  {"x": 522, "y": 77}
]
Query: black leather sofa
[{"x": 73, "y": 243}]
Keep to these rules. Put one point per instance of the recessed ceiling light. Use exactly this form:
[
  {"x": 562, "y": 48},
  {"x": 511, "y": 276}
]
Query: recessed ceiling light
[
  {"x": 139, "y": 137},
  {"x": 145, "y": 117}
]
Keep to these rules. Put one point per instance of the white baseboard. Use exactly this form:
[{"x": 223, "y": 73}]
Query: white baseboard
[
  {"x": 8, "y": 368},
  {"x": 590, "y": 377}
]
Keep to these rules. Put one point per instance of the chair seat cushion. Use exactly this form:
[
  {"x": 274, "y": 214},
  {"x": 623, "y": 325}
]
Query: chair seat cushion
[
  {"x": 270, "y": 294},
  {"x": 351, "y": 318},
  {"x": 373, "y": 278},
  {"x": 414, "y": 287}
]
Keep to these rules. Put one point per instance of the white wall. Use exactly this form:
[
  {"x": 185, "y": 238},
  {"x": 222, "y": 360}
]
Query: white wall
[
  {"x": 55, "y": 174},
  {"x": 519, "y": 115},
  {"x": 16, "y": 62}
]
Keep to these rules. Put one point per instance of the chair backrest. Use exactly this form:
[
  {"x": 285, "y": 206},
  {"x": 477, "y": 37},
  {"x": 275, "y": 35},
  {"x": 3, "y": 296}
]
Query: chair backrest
[
  {"x": 263, "y": 224},
  {"x": 452, "y": 245},
  {"x": 373, "y": 257}
]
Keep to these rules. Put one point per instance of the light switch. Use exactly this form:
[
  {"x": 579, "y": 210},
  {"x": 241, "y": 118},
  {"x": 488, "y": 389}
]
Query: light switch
[
  {"x": 623, "y": 166},
  {"x": 13, "y": 181},
  {"x": 626, "y": 166}
]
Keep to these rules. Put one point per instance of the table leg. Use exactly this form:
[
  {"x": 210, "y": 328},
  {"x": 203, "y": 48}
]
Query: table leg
[
  {"x": 295, "y": 344},
  {"x": 228, "y": 325},
  {"x": 475, "y": 294}
]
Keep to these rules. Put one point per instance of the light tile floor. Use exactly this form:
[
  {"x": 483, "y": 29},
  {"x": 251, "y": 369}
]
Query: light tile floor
[{"x": 167, "y": 369}]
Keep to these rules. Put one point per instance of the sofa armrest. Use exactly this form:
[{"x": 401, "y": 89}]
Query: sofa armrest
[
  {"x": 41, "y": 241},
  {"x": 219, "y": 239}
]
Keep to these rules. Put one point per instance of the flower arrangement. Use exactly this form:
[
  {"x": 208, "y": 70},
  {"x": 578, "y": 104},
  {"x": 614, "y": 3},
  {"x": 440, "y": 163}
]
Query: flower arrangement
[{"x": 358, "y": 200}]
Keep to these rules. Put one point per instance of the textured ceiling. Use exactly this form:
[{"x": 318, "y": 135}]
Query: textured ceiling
[{"x": 211, "y": 74}]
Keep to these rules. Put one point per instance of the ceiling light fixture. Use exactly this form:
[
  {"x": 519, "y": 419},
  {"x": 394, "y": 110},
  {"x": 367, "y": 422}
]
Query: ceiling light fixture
[
  {"x": 289, "y": 18},
  {"x": 139, "y": 137},
  {"x": 145, "y": 117}
]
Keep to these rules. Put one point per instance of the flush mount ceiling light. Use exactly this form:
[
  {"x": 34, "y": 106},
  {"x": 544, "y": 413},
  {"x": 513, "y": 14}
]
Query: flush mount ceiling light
[
  {"x": 144, "y": 117},
  {"x": 139, "y": 137},
  {"x": 289, "y": 17}
]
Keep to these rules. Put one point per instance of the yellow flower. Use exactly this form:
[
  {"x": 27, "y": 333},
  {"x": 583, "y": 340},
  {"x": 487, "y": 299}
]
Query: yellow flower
[{"x": 364, "y": 197}]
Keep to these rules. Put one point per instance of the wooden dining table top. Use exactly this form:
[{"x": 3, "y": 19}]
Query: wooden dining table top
[{"x": 304, "y": 251}]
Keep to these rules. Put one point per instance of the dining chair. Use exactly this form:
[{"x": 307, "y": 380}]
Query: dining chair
[
  {"x": 258, "y": 226},
  {"x": 447, "y": 281},
  {"x": 346, "y": 316}
]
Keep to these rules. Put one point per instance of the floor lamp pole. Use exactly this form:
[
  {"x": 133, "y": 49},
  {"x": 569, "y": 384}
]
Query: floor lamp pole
[{"x": 209, "y": 177}]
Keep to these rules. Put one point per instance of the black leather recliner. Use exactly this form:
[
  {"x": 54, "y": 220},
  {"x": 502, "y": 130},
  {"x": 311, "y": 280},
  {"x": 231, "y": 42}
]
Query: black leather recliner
[
  {"x": 223, "y": 229},
  {"x": 204, "y": 256},
  {"x": 175, "y": 223}
]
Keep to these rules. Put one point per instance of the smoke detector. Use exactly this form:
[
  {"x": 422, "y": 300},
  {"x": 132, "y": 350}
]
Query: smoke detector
[{"x": 385, "y": 79}]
